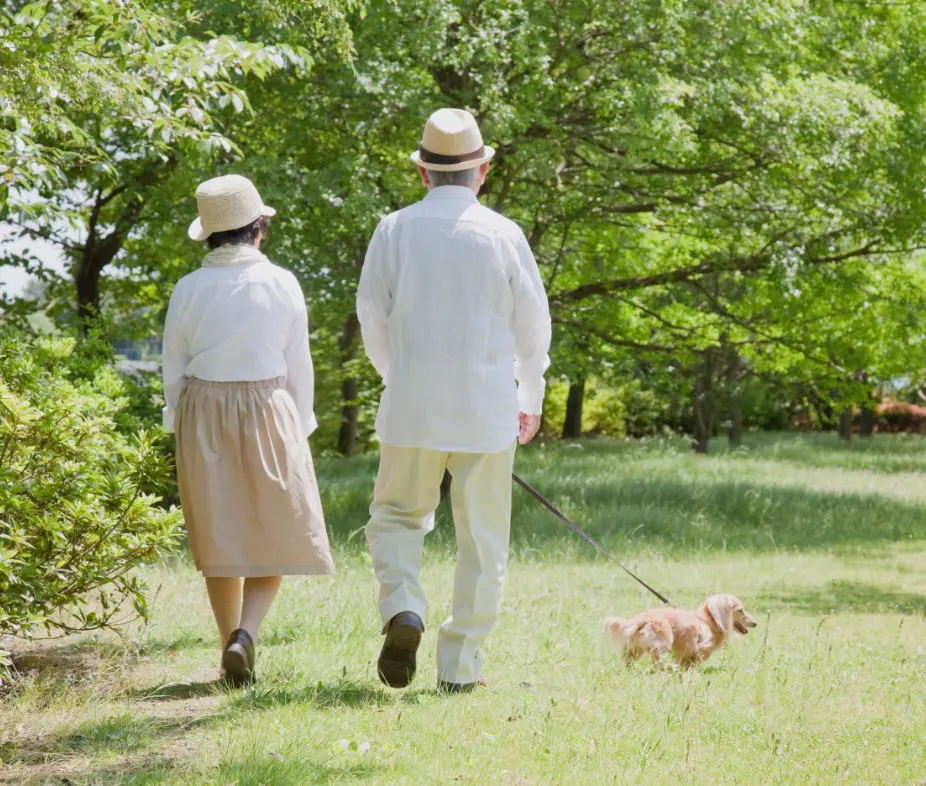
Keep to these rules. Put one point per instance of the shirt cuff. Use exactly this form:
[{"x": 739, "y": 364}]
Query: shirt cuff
[
  {"x": 167, "y": 420},
  {"x": 530, "y": 397}
]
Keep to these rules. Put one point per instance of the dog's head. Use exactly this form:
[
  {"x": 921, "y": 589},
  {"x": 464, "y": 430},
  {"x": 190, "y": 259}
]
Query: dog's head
[{"x": 729, "y": 614}]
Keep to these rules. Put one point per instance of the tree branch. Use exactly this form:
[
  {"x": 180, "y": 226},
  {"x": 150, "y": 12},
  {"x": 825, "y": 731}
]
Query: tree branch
[
  {"x": 43, "y": 235},
  {"x": 722, "y": 310},
  {"x": 616, "y": 342},
  {"x": 757, "y": 261}
]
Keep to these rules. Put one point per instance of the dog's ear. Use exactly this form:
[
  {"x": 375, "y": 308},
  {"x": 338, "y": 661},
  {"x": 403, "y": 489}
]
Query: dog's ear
[{"x": 720, "y": 607}]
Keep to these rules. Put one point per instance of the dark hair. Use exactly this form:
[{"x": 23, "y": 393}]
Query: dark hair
[{"x": 243, "y": 236}]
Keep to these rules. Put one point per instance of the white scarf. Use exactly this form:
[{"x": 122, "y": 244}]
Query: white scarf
[{"x": 232, "y": 255}]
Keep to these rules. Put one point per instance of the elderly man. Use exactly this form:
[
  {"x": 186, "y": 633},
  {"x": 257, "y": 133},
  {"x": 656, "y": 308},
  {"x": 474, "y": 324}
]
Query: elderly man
[{"x": 455, "y": 319}]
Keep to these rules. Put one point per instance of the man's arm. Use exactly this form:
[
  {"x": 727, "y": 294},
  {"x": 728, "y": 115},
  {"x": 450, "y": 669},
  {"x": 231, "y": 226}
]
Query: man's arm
[
  {"x": 374, "y": 303},
  {"x": 532, "y": 334}
]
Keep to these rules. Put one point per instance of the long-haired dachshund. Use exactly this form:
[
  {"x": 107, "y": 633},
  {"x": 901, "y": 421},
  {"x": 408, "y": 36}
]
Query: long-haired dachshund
[{"x": 691, "y": 636}]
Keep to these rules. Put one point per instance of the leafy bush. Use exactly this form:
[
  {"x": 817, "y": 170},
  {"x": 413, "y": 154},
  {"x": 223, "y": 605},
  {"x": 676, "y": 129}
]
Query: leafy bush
[
  {"x": 554, "y": 409},
  {"x": 896, "y": 416},
  {"x": 766, "y": 406},
  {"x": 144, "y": 403},
  {"x": 621, "y": 409},
  {"x": 78, "y": 503},
  {"x": 140, "y": 404}
]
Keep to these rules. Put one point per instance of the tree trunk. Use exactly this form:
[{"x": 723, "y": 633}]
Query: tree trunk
[
  {"x": 735, "y": 373},
  {"x": 821, "y": 413},
  {"x": 702, "y": 405},
  {"x": 735, "y": 434},
  {"x": 347, "y": 435},
  {"x": 866, "y": 426},
  {"x": 572, "y": 427},
  {"x": 99, "y": 250},
  {"x": 845, "y": 424},
  {"x": 95, "y": 256},
  {"x": 87, "y": 284}
]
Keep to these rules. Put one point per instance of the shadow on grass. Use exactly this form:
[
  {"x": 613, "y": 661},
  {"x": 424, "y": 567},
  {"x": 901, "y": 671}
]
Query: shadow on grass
[
  {"x": 848, "y": 597},
  {"x": 251, "y": 772},
  {"x": 318, "y": 696},
  {"x": 125, "y": 733},
  {"x": 186, "y": 640},
  {"x": 340, "y": 695},
  {"x": 78, "y": 660},
  {"x": 131, "y": 748},
  {"x": 70, "y": 662},
  {"x": 639, "y": 497},
  {"x": 885, "y": 453},
  {"x": 172, "y": 691},
  {"x": 134, "y": 769},
  {"x": 293, "y": 772},
  {"x": 681, "y": 516}
]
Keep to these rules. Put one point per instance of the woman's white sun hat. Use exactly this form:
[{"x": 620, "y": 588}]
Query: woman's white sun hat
[
  {"x": 227, "y": 202},
  {"x": 452, "y": 142}
]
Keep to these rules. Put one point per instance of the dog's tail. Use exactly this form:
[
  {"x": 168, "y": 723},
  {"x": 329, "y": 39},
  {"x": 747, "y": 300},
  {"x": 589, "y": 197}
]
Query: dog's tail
[{"x": 620, "y": 631}]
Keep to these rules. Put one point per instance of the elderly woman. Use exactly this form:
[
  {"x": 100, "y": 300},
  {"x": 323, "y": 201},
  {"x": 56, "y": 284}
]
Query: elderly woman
[{"x": 239, "y": 387}]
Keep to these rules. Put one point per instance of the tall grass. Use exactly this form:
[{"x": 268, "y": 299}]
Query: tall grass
[{"x": 825, "y": 544}]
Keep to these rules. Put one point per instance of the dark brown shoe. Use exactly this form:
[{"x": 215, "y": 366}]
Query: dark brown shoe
[
  {"x": 455, "y": 687},
  {"x": 397, "y": 662},
  {"x": 238, "y": 658}
]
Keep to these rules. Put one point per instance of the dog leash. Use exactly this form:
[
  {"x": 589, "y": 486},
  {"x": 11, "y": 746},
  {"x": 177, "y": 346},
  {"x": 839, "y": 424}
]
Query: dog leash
[{"x": 584, "y": 535}]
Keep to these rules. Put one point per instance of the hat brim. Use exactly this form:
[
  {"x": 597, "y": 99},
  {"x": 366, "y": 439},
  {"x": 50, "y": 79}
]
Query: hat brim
[
  {"x": 489, "y": 153},
  {"x": 199, "y": 233}
]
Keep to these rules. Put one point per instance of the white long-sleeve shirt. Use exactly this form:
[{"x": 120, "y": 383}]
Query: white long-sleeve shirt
[
  {"x": 238, "y": 318},
  {"x": 453, "y": 312}
]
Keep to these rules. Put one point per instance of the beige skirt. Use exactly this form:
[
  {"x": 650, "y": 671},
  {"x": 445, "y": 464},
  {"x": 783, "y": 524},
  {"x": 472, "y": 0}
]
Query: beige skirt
[{"x": 247, "y": 484}]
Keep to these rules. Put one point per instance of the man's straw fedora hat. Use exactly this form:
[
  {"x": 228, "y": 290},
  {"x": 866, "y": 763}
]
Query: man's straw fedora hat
[
  {"x": 451, "y": 142},
  {"x": 227, "y": 202}
]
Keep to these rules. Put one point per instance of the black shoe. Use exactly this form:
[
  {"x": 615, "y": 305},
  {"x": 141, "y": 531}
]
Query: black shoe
[
  {"x": 455, "y": 687},
  {"x": 396, "y": 664},
  {"x": 238, "y": 658}
]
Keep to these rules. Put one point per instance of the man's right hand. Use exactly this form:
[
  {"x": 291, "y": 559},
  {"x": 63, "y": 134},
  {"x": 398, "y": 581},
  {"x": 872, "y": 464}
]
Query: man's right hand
[{"x": 529, "y": 426}]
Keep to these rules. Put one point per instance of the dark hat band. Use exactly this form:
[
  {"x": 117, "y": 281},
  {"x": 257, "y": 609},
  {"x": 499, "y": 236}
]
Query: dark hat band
[{"x": 427, "y": 157}]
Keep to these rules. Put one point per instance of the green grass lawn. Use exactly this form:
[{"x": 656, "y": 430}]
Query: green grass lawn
[{"x": 825, "y": 544}]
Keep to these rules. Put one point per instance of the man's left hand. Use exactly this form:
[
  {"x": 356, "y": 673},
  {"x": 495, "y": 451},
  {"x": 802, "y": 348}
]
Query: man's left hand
[{"x": 529, "y": 426}]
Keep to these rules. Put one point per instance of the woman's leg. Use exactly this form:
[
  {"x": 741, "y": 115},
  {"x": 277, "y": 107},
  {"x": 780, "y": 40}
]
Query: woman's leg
[
  {"x": 225, "y": 597},
  {"x": 258, "y": 598}
]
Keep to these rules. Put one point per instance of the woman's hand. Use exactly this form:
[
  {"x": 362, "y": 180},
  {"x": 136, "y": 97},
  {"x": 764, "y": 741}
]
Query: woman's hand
[{"x": 529, "y": 426}]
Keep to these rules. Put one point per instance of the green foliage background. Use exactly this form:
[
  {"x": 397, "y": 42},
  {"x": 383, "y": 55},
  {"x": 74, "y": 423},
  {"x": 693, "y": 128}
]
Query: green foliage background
[
  {"x": 722, "y": 196},
  {"x": 725, "y": 199}
]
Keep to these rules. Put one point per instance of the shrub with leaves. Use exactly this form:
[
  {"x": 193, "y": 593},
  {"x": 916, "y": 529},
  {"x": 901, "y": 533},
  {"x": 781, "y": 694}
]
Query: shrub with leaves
[
  {"x": 897, "y": 416},
  {"x": 77, "y": 508}
]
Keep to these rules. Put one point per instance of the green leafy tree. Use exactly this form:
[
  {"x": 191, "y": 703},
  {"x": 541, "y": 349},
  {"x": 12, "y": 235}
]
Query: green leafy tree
[
  {"x": 699, "y": 181},
  {"x": 109, "y": 110}
]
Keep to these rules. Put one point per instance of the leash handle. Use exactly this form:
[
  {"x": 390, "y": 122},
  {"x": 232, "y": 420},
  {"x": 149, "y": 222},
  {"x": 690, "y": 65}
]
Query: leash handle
[{"x": 584, "y": 535}]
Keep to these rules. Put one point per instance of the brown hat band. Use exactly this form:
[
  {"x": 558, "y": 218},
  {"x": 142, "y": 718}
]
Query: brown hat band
[{"x": 427, "y": 157}]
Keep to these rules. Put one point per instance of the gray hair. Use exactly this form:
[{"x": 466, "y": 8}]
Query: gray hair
[{"x": 462, "y": 177}]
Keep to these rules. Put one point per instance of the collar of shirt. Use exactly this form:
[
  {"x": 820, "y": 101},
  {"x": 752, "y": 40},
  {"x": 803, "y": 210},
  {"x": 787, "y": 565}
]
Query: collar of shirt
[
  {"x": 452, "y": 192},
  {"x": 232, "y": 255}
]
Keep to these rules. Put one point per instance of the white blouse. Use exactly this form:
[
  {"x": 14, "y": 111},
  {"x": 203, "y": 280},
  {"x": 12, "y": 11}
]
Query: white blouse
[
  {"x": 239, "y": 318},
  {"x": 452, "y": 311}
]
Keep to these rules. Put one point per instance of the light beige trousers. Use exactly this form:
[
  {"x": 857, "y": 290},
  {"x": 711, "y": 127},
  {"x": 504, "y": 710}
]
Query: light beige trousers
[{"x": 406, "y": 495}]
